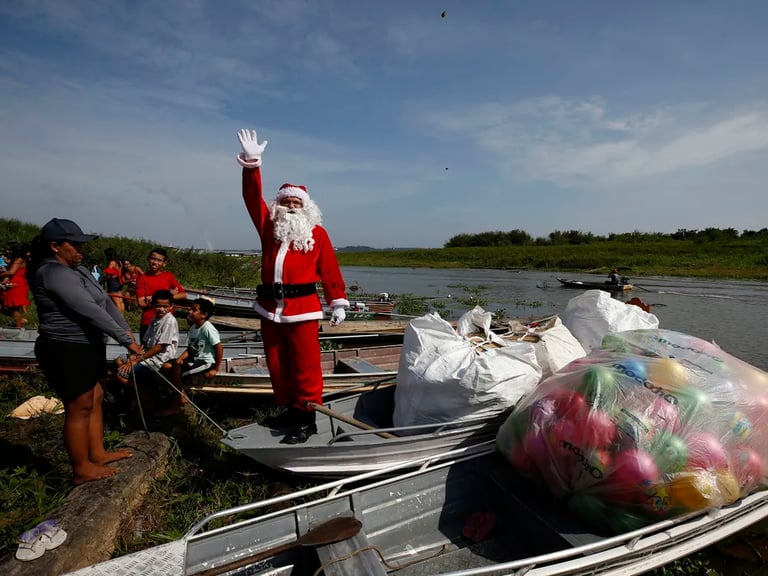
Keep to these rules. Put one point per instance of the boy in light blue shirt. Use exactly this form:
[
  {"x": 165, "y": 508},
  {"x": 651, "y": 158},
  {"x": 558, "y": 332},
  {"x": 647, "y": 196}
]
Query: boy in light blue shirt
[{"x": 203, "y": 355}]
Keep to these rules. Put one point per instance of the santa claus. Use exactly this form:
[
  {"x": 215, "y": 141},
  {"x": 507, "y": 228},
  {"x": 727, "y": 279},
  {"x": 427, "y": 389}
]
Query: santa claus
[{"x": 297, "y": 254}]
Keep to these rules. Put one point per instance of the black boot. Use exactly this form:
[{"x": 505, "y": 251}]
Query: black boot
[
  {"x": 304, "y": 428},
  {"x": 286, "y": 418}
]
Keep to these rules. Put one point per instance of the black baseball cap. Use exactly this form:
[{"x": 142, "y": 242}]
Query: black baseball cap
[{"x": 59, "y": 229}]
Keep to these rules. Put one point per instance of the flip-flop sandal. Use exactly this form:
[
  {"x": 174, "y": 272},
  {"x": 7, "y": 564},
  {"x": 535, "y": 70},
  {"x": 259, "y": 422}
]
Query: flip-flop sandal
[
  {"x": 30, "y": 547},
  {"x": 50, "y": 534},
  {"x": 478, "y": 525}
]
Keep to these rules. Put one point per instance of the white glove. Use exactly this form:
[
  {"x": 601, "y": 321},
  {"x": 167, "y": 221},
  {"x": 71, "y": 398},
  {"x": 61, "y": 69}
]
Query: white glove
[
  {"x": 252, "y": 150},
  {"x": 338, "y": 316}
]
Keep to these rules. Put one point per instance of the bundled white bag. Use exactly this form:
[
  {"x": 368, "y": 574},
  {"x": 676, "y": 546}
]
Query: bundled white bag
[
  {"x": 556, "y": 348},
  {"x": 593, "y": 314},
  {"x": 444, "y": 376}
]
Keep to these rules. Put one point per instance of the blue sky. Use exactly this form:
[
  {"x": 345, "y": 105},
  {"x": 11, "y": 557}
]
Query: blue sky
[{"x": 407, "y": 128}]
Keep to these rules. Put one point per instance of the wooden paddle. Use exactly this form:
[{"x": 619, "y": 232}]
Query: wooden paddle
[
  {"x": 347, "y": 419},
  {"x": 328, "y": 532}
]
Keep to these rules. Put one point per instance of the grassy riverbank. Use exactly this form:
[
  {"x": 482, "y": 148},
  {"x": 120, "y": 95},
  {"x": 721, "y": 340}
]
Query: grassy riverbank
[
  {"x": 739, "y": 259},
  {"x": 743, "y": 258}
]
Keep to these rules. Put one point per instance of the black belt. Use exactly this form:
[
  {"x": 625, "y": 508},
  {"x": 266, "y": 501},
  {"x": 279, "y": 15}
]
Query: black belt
[{"x": 278, "y": 290}]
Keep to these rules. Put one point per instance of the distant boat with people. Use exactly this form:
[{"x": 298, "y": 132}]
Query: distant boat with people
[{"x": 623, "y": 286}]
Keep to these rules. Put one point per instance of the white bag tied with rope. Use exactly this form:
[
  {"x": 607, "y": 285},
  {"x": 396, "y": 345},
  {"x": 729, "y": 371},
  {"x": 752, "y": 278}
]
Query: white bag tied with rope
[
  {"x": 445, "y": 375},
  {"x": 556, "y": 348},
  {"x": 594, "y": 314}
]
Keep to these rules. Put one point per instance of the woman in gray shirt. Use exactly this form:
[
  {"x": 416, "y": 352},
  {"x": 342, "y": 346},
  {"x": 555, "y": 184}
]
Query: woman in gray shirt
[{"x": 75, "y": 314}]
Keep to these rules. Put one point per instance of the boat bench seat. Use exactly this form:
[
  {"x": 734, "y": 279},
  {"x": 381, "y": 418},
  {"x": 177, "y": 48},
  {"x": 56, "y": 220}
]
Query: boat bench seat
[
  {"x": 357, "y": 561},
  {"x": 258, "y": 370},
  {"x": 356, "y": 366}
]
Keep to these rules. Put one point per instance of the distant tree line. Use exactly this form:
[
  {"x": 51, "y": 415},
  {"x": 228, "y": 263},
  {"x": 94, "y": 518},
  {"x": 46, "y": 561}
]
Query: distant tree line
[{"x": 561, "y": 237}]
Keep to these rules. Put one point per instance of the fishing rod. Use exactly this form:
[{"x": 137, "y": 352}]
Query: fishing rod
[{"x": 182, "y": 394}]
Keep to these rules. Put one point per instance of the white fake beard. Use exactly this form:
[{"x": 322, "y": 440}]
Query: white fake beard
[{"x": 293, "y": 226}]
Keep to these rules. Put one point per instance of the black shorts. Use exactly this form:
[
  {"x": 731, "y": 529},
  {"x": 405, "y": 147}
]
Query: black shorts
[
  {"x": 71, "y": 369},
  {"x": 113, "y": 285}
]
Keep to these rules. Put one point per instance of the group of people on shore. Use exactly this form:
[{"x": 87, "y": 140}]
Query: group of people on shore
[
  {"x": 118, "y": 277},
  {"x": 76, "y": 312},
  {"x": 14, "y": 291}
]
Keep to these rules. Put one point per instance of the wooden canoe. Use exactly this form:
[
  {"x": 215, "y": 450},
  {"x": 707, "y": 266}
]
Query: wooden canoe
[
  {"x": 239, "y": 303},
  {"x": 343, "y": 370},
  {"x": 595, "y": 285}
]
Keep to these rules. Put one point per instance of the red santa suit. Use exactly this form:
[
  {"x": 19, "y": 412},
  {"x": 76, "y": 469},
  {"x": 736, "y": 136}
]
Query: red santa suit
[{"x": 288, "y": 304}]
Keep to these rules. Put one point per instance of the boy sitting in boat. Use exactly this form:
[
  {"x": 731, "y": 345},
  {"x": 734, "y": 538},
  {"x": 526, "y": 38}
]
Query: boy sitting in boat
[
  {"x": 614, "y": 277},
  {"x": 160, "y": 344},
  {"x": 203, "y": 355}
]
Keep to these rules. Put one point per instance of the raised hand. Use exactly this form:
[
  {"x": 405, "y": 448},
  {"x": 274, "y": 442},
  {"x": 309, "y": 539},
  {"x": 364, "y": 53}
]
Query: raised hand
[{"x": 252, "y": 150}]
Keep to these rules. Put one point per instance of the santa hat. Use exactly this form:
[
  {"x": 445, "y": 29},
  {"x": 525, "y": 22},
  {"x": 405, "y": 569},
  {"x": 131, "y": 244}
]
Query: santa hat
[{"x": 292, "y": 191}]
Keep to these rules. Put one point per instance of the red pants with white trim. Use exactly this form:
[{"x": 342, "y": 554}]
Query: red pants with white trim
[{"x": 293, "y": 359}]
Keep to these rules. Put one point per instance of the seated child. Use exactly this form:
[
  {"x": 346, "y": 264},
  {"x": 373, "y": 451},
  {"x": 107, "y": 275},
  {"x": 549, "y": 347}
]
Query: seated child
[
  {"x": 203, "y": 355},
  {"x": 160, "y": 344}
]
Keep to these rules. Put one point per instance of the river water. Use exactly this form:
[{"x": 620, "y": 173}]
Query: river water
[{"x": 730, "y": 313}]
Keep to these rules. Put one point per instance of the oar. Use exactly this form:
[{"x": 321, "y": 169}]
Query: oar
[
  {"x": 328, "y": 532},
  {"x": 347, "y": 419}
]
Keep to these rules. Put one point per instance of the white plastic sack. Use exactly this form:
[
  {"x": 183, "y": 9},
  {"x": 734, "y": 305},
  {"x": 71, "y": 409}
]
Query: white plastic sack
[
  {"x": 444, "y": 377},
  {"x": 593, "y": 314},
  {"x": 556, "y": 348}
]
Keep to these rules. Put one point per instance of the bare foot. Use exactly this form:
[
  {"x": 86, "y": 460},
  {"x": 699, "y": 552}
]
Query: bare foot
[
  {"x": 112, "y": 456},
  {"x": 93, "y": 473}
]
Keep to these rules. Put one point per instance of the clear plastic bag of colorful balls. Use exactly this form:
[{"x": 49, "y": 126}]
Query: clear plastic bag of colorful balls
[{"x": 652, "y": 425}]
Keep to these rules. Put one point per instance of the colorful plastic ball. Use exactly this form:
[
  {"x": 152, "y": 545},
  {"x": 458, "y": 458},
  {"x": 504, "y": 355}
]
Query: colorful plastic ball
[
  {"x": 615, "y": 343},
  {"x": 634, "y": 472},
  {"x": 667, "y": 373},
  {"x": 521, "y": 461},
  {"x": 749, "y": 467},
  {"x": 599, "y": 429},
  {"x": 536, "y": 446},
  {"x": 694, "y": 490},
  {"x": 728, "y": 487},
  {"x": 740, "y": 426},
  {"x": 598, "y": 386},
  {"x": 624, "y": 521},
  {"x": 694, "y": 404},
  {"x": 757, "y": 410},
  {"x": 670, "y": 452},
  {"x": 594, "y": 430},
  {"x": 528, "y": 455},
  {"x": 633, "y": 368},
  {"x": 657, "y": 500},
  {"x": 568, "y": 403},
  {"x": 590, "y": 508},
  {"x": 706, "y": 451},
  {"x": 592, "y": 468}
]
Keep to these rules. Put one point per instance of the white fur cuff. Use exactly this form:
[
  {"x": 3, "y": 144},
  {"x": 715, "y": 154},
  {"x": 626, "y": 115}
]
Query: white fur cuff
[{"x": 245, "y": 163}]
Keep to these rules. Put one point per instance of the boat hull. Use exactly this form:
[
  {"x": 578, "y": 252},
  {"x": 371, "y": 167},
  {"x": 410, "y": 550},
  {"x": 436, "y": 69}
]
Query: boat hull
[
  {"x": 416, "y": 521},
  {"x": 342, "y": 449}
]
